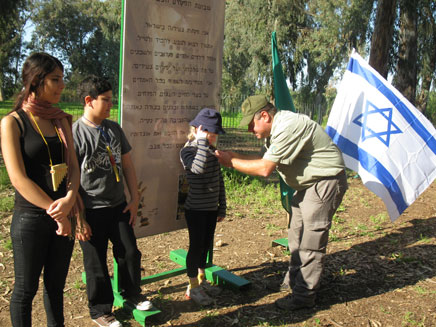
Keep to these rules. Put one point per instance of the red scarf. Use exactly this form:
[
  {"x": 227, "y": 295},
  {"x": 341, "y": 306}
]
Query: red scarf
[{"x": 45, "y": 110}]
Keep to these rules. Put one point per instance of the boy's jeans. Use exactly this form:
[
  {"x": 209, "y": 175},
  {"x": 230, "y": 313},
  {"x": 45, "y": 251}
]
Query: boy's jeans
[{"x": 110, "y": 224}]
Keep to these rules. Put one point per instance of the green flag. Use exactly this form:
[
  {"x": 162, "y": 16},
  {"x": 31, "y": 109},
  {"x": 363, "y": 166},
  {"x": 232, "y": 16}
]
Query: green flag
[{"x": 283, "y": 101}]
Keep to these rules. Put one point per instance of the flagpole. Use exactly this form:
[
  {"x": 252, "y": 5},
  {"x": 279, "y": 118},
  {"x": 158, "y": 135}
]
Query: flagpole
[{"x": 282, "y": 101}]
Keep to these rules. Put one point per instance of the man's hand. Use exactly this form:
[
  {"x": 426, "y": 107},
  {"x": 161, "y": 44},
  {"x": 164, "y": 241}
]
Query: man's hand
[
  {"x": 224, "y": 158},
  {"x": 251, "y": 165}
]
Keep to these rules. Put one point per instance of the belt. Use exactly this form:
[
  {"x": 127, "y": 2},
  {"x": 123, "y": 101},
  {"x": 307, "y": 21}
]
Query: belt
[{"x": 340, "y": 174}]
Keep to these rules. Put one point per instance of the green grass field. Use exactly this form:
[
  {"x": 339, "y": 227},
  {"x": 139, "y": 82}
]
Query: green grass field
[
  {"x": 5, "y": 107},
  {"x": 230, "y": 120},
  {"x": 73, "y": 108}
]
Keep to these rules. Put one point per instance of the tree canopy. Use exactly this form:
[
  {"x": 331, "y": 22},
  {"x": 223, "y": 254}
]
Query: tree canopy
[
  {"x": 12, "y": 22},
  {"x": 315, "y": 38},
  {"x": 85, "y": 34}
]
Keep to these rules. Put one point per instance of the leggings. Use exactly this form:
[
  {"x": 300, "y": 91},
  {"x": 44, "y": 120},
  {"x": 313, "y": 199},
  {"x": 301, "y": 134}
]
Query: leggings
[
  {"x": 36, "y": 246},
  {"x": 201, "y": 228}
]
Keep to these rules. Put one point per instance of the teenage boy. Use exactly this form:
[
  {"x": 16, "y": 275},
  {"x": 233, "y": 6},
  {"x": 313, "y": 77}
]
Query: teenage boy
[{"x": 105, "y": 161}]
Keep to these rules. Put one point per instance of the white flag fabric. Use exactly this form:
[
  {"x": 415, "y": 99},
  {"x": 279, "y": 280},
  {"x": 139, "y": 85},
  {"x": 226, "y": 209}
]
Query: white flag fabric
[{"x": 383, "y": 137}]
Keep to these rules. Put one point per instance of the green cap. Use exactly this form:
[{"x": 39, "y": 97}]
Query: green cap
[{"x": 250, "y": 106}]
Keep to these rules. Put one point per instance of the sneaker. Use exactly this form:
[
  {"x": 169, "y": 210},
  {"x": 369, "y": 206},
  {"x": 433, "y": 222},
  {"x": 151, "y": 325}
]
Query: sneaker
[
  {"x": 198, "y": 295},
  {"x": 209, "y": 289},
  {"x": 107, "y": 320},
  {"x": 290, "y": 303},
  {"x": 143, "y": 305}
]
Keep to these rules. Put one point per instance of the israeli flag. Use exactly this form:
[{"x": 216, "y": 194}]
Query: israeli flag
[{"x": 383, "y": 137}]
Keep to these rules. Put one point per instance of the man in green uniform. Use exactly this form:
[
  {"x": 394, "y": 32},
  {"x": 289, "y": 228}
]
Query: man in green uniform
[{"x": 309, "y": 162}]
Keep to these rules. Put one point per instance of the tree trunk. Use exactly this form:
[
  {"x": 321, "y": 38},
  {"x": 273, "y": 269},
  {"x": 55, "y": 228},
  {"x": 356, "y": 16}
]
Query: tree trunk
[
  {"x": 405, "y": 78},
  {"x": 1, "y": 86},
  {"x": 427, "y": 77},
  {"x": 427, "y": 36},
  {"x": 381, "y": 41}
]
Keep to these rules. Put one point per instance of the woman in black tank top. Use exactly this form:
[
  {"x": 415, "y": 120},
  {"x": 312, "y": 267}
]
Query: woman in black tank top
[{"x": 38, "y": 152}]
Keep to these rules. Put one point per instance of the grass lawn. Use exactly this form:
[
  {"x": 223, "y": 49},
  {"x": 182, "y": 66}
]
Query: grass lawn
[{"x": 230, "y": 120}]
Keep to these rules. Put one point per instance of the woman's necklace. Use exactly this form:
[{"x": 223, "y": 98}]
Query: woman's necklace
[
  {"x": 59, "y": 171},
  {"x": 107, "y": 141}
]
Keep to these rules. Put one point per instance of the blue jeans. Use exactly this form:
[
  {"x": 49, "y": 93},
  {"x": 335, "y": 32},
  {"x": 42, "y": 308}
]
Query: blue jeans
[
  {"x": 110, "y": 224},
  {"x": 36, "y": 246}
]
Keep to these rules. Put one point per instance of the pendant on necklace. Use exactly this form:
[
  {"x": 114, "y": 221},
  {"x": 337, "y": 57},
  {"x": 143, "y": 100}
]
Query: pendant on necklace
[{"x": 58, "y": 173}]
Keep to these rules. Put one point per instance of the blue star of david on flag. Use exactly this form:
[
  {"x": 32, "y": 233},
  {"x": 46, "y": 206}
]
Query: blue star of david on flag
[
  {"x": 398, "y": 160},
  {"x": 379, "y": 116}
]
